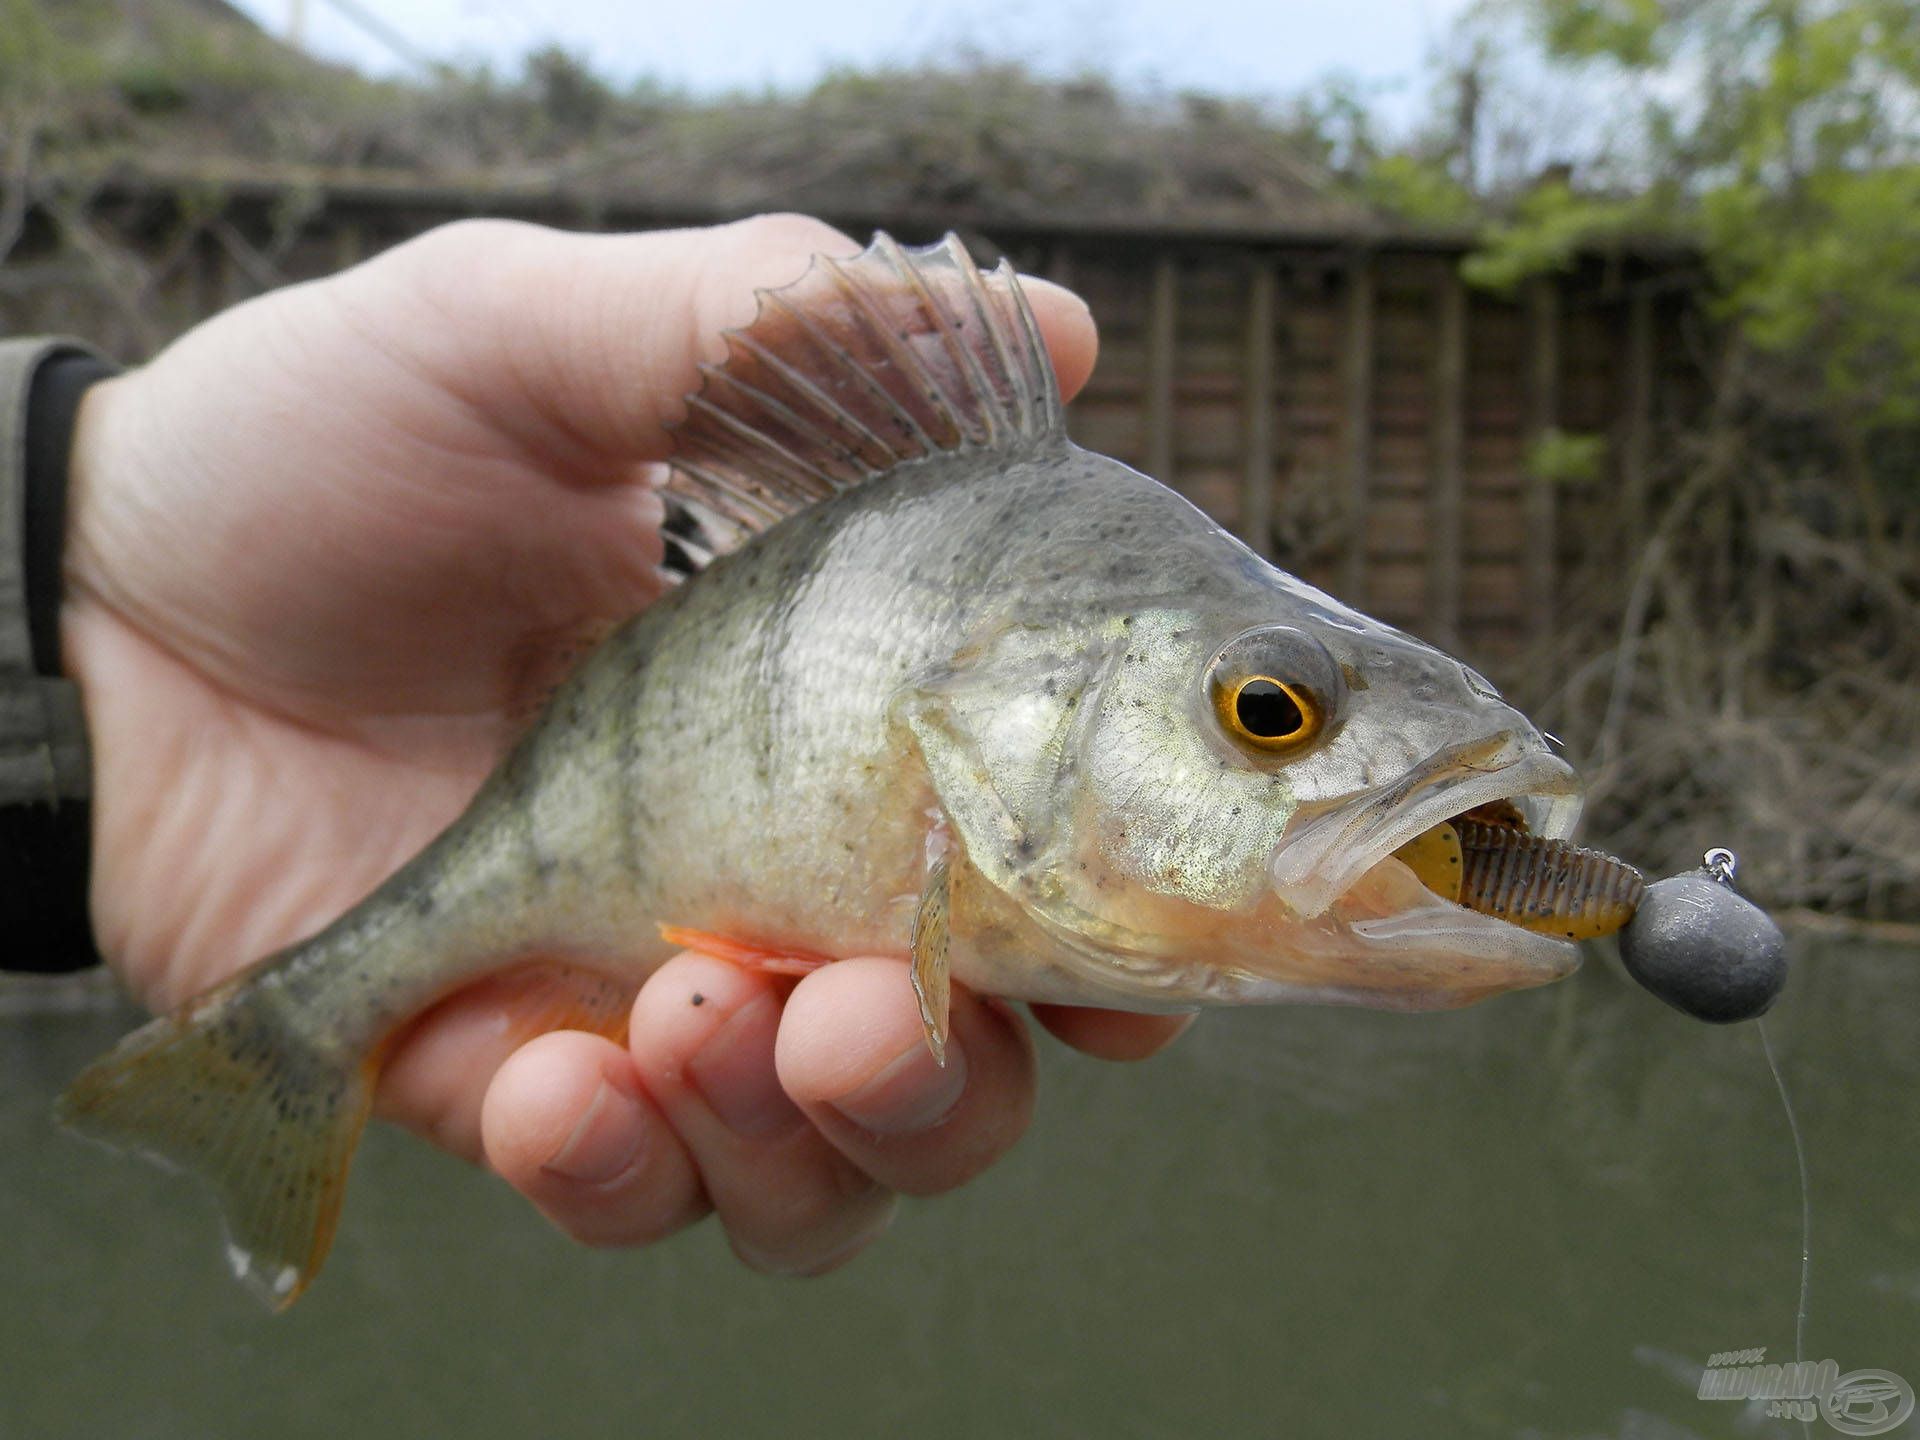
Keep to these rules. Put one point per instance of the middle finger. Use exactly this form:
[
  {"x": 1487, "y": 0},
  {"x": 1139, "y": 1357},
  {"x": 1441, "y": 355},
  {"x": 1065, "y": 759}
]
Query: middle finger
[{"x": 702, "y": 1036}]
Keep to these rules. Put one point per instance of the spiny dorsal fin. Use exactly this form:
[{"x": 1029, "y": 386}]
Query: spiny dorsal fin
[{"x": 857, "y": 367}]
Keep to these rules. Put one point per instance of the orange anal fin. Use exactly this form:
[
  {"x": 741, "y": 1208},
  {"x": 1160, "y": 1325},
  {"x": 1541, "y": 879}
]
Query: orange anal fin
[{"x": 788, "y": 960}]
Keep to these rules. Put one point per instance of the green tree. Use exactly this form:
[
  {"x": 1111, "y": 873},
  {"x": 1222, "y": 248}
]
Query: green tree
[
  {"x": 1779, "y": 133},
  {"x": 1770, "y": 626}
]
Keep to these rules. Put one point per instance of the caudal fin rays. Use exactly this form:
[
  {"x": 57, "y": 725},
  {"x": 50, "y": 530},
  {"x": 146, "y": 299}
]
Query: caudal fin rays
[{"x": 225, "y": 1091}]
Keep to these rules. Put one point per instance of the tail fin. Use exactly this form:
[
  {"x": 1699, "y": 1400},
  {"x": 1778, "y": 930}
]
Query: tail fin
[{"x": 227, "y": 1090}]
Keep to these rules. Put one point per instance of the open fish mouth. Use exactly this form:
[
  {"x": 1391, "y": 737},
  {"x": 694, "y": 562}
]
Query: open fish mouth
[
  {"x": 1465, "y": 857},
  {"x": 1326, "y": 854},
  {"x": 1486, "y": 861}
]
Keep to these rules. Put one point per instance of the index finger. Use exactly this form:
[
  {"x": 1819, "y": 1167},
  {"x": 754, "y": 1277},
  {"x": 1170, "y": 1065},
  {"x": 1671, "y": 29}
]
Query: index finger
[{"x": 1111, "y": 1034}]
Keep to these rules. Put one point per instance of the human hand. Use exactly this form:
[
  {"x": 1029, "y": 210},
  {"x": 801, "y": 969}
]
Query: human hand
[{"x": 322, "y": 555}]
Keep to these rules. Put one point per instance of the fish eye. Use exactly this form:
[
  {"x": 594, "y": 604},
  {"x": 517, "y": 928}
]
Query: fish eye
[
  {"x": 1275, "y": 690},
  {"x": 1269, "y": 714}
]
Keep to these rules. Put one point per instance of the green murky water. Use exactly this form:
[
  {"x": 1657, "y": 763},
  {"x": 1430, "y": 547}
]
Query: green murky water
[{"x": 1536, "y": 1218}]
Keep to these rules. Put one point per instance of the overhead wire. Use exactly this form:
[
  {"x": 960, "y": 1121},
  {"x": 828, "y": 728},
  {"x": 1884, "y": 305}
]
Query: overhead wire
[{"x": 373, "y": 26}]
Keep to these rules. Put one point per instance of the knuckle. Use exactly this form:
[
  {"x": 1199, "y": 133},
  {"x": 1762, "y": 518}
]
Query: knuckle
[
  {"x": 786, "y": 232},
  {"x": 465, "y": 267},
  {"x": 461, "y": 242}
]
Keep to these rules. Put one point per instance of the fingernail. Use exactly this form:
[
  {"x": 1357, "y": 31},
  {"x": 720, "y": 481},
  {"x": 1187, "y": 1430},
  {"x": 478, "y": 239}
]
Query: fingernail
[
  {"x": 909, "y": 1093},
  {"x": 733, "y": 1071},
  {"x": 605, "y": 1143}
]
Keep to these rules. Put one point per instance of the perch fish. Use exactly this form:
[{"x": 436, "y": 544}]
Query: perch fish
[{"x": 949, "y": 687}]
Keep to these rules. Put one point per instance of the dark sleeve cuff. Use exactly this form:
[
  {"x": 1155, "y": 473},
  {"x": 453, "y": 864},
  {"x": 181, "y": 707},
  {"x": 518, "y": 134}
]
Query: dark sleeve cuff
[
  {"x": 45, "y": 780},
  {"x": 46, "y": 857},
  {"x": 53, "y": 400}
]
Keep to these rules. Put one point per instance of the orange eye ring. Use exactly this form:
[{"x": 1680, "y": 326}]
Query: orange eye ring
[{"x": 1269, "y": 715}]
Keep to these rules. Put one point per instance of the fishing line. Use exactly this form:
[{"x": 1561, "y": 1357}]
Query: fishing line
[
  {"x": 1698, "y": 944},
  {"x": 1806, "y": 1200}
]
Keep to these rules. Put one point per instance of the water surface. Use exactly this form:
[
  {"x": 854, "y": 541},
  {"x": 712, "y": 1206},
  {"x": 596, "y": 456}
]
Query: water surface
[{"x": 1535, "y": 1218}]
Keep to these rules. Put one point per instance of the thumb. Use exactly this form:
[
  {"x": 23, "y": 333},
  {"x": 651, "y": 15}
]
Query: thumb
[{"x": 583, "y": 347}]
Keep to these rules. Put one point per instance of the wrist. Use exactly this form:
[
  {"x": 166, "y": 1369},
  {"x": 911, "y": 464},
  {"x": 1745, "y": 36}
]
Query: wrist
[{"x": 45, "y": 778}]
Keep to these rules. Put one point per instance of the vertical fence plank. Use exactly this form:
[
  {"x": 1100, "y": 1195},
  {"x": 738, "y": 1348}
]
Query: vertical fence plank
[
  {"x": 203, "y": 284},
  {"x": 1060, "y": 264},
  {"x": 349, "y": 244},
  {"x": 1336, "y": 460},
  {"x": 234, "y": 281},
  {"x": 1446, "y": 453},
  {"x": 1256, "y": 481},
  {"x": 1537, "y": 504},
  {"x": 1356, "y": 424},
  {"x": 1162, "y": 318}
]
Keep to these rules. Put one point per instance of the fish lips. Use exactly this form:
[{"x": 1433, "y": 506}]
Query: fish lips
[{"x": 1348, "y": 847}]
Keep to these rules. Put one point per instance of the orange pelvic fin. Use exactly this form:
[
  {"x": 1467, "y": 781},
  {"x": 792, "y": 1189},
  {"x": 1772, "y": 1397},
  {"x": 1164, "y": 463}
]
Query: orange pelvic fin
[{"x": 749, "y": 955}]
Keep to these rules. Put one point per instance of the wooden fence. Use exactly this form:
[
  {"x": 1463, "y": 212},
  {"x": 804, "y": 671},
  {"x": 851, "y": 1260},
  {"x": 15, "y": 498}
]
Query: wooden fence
[{"x": 1345, "y": 403}]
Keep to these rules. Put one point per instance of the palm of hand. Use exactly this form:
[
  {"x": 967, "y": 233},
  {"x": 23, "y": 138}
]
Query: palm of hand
[{"x": 354, "y": 558}]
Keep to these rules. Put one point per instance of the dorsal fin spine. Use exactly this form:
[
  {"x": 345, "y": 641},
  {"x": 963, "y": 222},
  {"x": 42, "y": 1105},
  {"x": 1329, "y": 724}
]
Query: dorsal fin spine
[
  {"x": 773, "y": 481},
  {"x": 719, "y": 531},
  {"x": 699, "y": 554},
  {"x": 751, "y": 437},
  {"x": 903, "y": 364},
  {"x": 873, "y": 386},
  {"x": 834, "y": 414},
  {"x": 1052, "y": 414},
  {"x": 949, "y": 337},
  {"x": 749, "y": 478},
  {"x": 987, "y": 315},
  {"x": 984, "y": 314},
  {"x": 859, "y": 368},
  {"x": 1039, "y": 406},
  {"x": 817, "y": 478},
  {"x": 728, "y": 499},
  {"x": 820, "y": 473}
]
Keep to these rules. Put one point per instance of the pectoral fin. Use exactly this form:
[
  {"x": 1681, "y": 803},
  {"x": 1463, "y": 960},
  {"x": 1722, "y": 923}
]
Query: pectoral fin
[
  {"x": 930, "y": 979},
  {"x": 996, "y": 768}
]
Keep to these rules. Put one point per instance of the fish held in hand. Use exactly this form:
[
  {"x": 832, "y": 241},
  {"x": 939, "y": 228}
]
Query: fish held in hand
[{"x": 947, "y": 686}]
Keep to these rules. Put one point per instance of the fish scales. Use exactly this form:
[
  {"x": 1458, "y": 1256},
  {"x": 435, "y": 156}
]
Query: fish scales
[{"x": 960, "y": 691}]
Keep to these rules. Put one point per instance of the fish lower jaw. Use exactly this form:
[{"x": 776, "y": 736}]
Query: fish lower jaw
[
  {"x": 1338, "y": 852},
  {"x": 1387, "y": 943},
  {"x": 1392, "y": 912}
]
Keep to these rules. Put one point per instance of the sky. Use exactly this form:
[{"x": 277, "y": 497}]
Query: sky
[{"x": 1239, "y": 47}]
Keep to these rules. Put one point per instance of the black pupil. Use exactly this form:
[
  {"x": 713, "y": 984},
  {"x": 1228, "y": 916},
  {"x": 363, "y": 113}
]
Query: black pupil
[{"x": 1267, "y": 711}]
